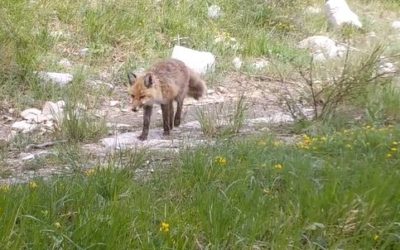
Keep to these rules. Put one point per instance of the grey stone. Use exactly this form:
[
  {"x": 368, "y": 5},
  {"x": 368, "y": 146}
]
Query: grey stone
[{"x": 61, "y": 79}]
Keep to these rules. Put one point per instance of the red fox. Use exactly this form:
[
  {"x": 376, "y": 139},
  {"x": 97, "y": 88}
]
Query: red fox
[{"x": 163, "y": 83}]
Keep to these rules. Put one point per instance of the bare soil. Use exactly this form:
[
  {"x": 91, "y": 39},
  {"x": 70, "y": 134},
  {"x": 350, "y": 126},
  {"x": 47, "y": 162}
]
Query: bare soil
[{"x": 263, "y": 110}]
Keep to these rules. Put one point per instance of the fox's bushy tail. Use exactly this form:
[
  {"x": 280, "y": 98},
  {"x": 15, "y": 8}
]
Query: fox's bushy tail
[{"x": 197, "y": 87}]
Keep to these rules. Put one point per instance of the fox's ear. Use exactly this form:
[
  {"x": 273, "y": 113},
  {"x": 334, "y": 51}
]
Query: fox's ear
[
  {"x": 148, "y": 80},
  {"x": 131, "y": 78}
]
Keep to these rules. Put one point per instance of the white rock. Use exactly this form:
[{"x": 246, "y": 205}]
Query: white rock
[
  {"x": 214, "y": 12},
  {"x": 339, "y": 13},
  {"x": 319, "y": 57},
  {"x": 191, "y": 125},
  {"x": 199, "y": 61},
  {"x": 396, "y": 25},
  {"x": 23, "y": 126},
  {"x": 237, "y": 63},
  {"x": 120, "y": 141},
  {"x": 260, "y": 64},
  {"x": 120, "y": 126},
  {"x": 387, "y": 68},
  {"x": 27, "y": 156},
  {"x": 277, "y": 117},
  {"x": 65, "y": 63},
  {"x": 61, "y": 79},
  {"x": 114, "y": 103},
  {"x": 322, "y": 47},
  {"x": 371, "y": 34},
  {"x": 61, "y": 104},
  {"x": 31, "y": 114},
  {"x": 31, "y": 156},
  {"x": 54, "y": 111},
  {"x": 84, "y": 52}
]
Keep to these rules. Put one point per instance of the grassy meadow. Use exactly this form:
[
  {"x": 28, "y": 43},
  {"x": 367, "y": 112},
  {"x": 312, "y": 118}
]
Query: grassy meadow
[
  {"x": 333, "y": 191},
  {"x": 329, "y": 183}
]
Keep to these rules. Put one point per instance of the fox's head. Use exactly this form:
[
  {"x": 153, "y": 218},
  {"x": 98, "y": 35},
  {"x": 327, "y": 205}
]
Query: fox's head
[{"x": 142, "y": 90}]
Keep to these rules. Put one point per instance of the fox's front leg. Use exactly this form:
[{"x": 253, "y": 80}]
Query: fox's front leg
[
  {"x": 171, "y": 115},
  {"x": 146, "y": 122},
  {"x": 165, "y": 109}
]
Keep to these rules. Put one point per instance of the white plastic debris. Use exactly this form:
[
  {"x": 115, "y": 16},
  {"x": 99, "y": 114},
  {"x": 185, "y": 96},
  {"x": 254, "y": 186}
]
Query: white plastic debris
[
  {"x": 199, "y": 61},
  {"x": 339, "y": 13}
]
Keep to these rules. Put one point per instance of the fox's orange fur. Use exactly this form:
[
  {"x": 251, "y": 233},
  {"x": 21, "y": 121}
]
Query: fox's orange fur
[{"x": 166, "y": 81}]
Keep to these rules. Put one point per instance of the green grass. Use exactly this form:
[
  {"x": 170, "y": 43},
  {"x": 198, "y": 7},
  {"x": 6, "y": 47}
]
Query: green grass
[{"x": 331, "y": 191}]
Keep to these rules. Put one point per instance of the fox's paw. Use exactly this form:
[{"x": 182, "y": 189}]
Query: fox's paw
[
  {"x": 142, "y": 137},
  {"x": 177, "y": 122}
]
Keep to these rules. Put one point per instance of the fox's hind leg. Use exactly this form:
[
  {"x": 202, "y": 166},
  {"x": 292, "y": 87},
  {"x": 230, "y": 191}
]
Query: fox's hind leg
[
  {"x": 166, "y": 117},
  {"x": 178, "y": 114}
]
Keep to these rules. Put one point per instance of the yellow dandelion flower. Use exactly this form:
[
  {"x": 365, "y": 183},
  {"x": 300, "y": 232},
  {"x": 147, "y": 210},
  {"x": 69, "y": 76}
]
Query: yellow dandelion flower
[
  {"x": 33, "y": 185},
  {"x": 376, "y": 237},
  {"x": 90, "y": 172},
  {"x": 164, "y": 227},
  {"x": 220, "y": 160},
  {"x": 393, "y": 149},
  {"x": 395, "y": 143},
  {"x": 267, "y": 191},
  {"x": 5, "y": 188},
  {"x": 389, "y": 155},
  {"x": 57, "y": 225},
  {"x": 278, "y": 166}
]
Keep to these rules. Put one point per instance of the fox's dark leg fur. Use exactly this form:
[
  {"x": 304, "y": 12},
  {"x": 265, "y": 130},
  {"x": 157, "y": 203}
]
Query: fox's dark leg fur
[
  {"x": 146, "y": 122},
  {"x": 179, "y": 105},
  {"x": 165, "y": 108},
  {"x": 171, "y": 114}
]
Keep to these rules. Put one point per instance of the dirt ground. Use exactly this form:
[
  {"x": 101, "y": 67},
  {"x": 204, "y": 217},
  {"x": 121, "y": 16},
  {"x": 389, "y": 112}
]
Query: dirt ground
[{"x": 263, "y": 109}]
